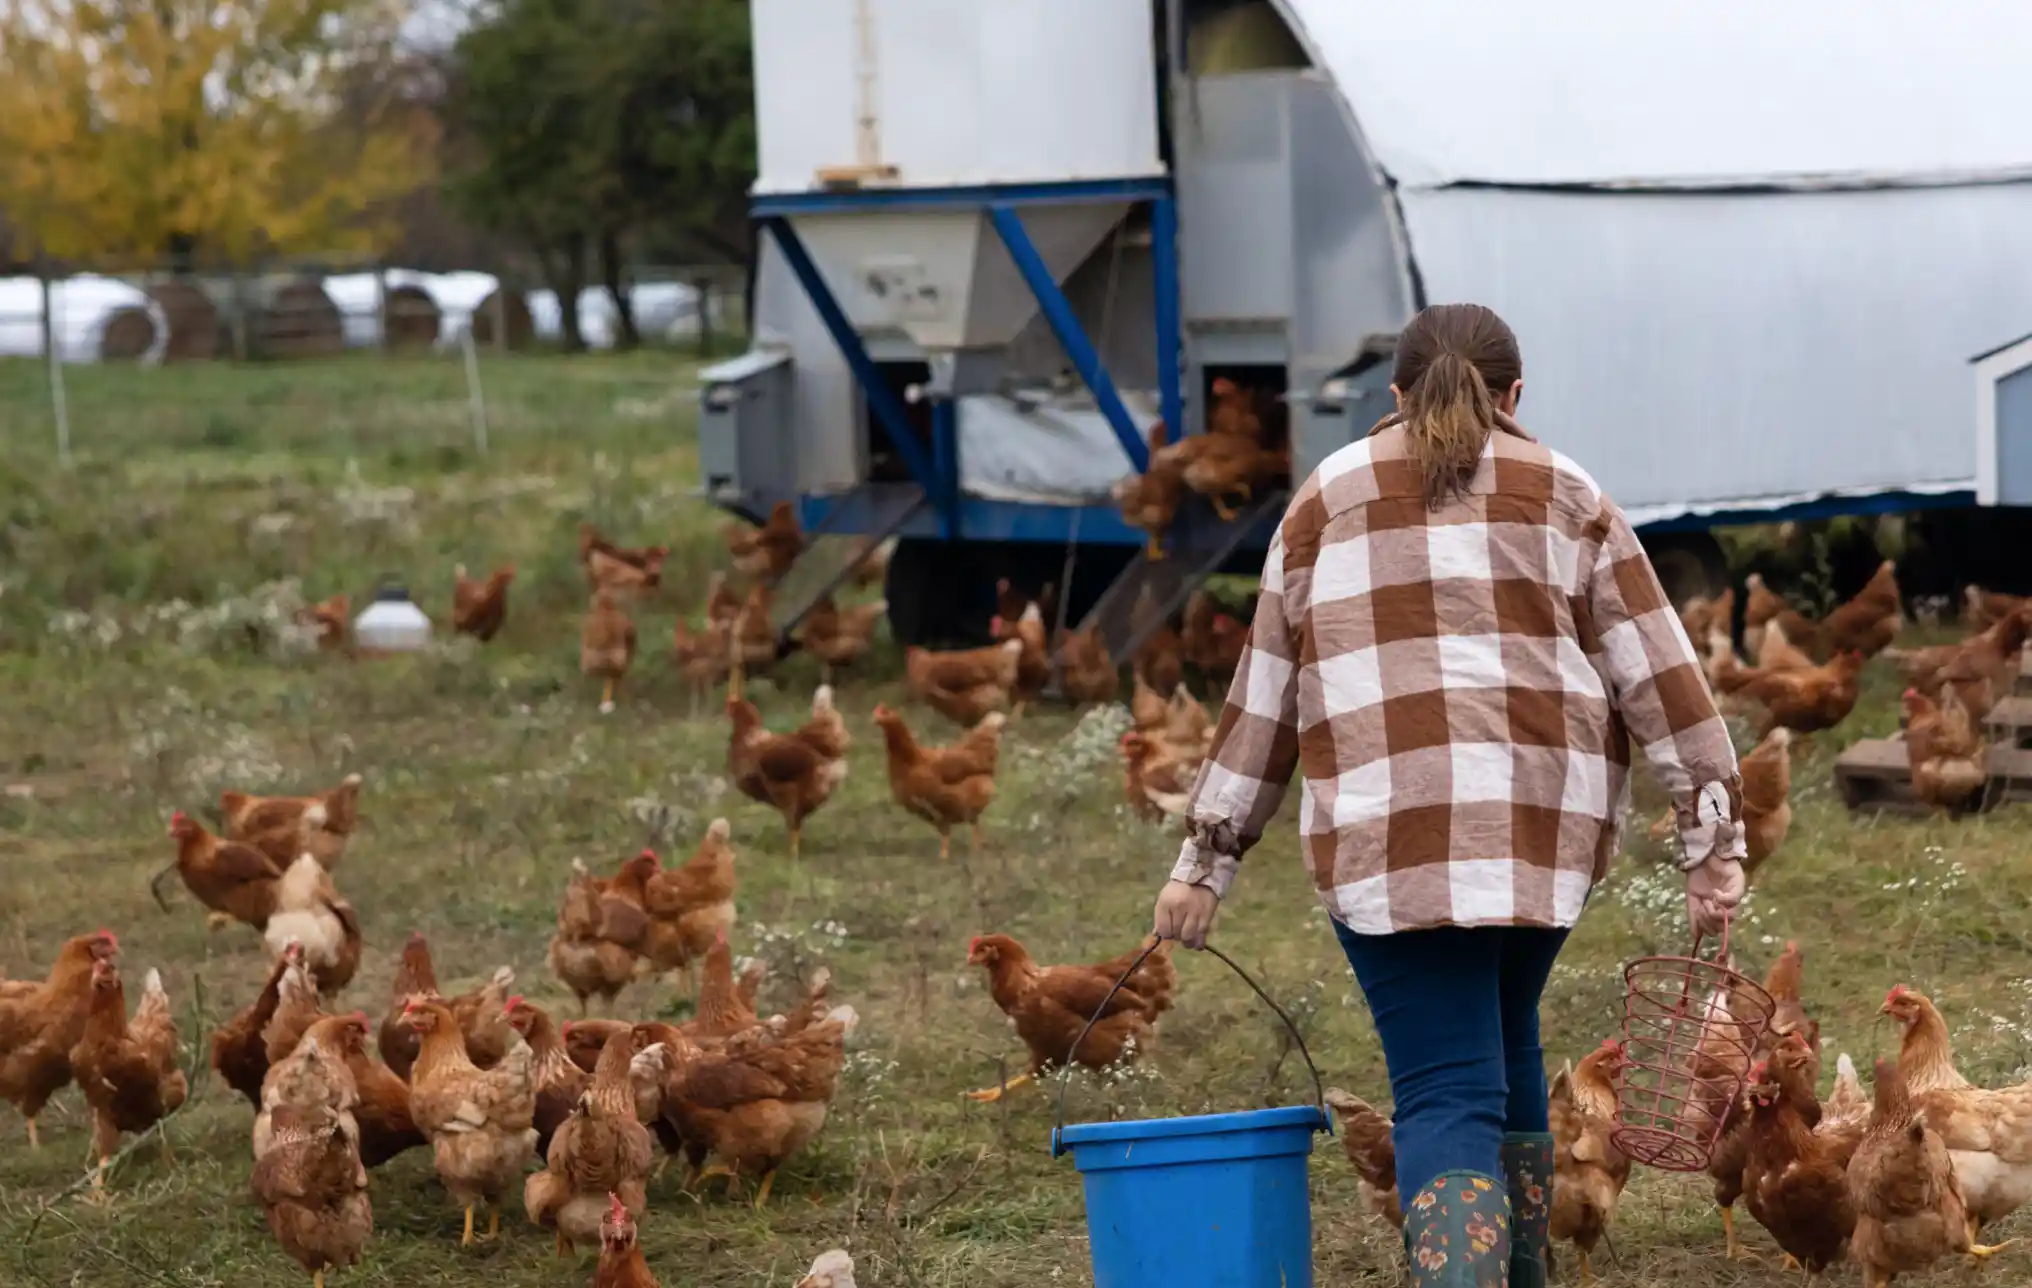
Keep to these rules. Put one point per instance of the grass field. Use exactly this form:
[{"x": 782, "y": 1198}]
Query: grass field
[{"x": 139, "y": 674}]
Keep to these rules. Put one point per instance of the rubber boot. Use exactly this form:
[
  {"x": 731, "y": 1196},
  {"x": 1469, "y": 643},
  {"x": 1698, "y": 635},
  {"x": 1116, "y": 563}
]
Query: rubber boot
[
  {"x": 1528, "y": 1165},
  {"x": 1457, "y": 1233}
]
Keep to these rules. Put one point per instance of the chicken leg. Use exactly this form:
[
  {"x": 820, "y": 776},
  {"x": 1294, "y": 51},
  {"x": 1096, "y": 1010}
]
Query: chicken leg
[
  {"x": 795, "y": 841},
  {"x": 1735, "y": 1250},
  {"x": 762, "y": 1190},
  {"x": 945, "y": 842},
  {"x": 563, "y": 1245},
  {"x": 1222, "y": 508},
  {"x": 34, "y": 1141},
  {"x": 1154, "y": 552},
  {"x": 468, "y": 1240},
  {"x": 989, "y": 1095},
  {"x": 1587, "y": 1271},
  {"x": 607, "y": 698},
  {"x": 317, "y": 1279},
  {"x": 493, "y": 1226}
]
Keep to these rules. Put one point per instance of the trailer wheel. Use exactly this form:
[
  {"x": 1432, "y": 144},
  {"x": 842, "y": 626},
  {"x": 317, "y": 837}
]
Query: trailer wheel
[{"x": 1688, "y": 564}]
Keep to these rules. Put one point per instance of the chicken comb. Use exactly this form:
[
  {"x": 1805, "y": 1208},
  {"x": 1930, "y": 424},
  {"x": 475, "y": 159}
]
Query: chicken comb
[
  {"x": 1910, "y": 693},
  {"x": 995, "y": 625},
  {"x": 512, "y": 1002},
  {"x": 617, "y": 1211},
  {"x": 647, "y": 853},
  {"x": 720, "y": 937},
  {"x": 566, "y": 1030},
  {"x": 1897, "y": 991}
]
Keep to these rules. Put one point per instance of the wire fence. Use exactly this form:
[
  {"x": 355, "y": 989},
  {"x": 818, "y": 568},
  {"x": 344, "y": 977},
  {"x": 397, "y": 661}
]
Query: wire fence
[{"x": 382, "y": 356}]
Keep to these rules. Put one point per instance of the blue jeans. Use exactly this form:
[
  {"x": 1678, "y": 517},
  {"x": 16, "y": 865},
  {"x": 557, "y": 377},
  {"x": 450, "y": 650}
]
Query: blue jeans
[{"x": 1457, "y": 1011}]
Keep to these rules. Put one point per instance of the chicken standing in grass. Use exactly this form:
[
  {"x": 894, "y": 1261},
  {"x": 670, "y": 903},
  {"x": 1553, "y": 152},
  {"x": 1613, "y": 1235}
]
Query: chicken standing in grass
[
  {"x": 40, "y": 1023},
  {"x": 480, "y": 1123},
  {"x": 1050, "y": 1005},
  {"x": 125, "y": 1067},
  {"x": 480, "y": 607},
  {"x": 606, "y": 646}
]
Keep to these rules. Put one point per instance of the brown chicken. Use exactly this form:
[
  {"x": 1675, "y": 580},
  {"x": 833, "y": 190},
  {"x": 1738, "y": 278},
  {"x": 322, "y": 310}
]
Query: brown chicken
[
  {"x": 722, "y": 604},
  {"x": 931, "y": 782},
  {"x": 1365, "y": 1135},
  {"x": 766, "y": 553},
  {"x": 1155, "y": 779},
  {"x": 839, "y": 637},
  {"x": 478, "y": 1121},
  {"x": 314, "y": 1191},
  {"x": 296, "y": 1007},
  {"x": 479, "y": 1012},
  {"x": 619, "y": 569},
  {"x": 753, "y": 640},
  {"x": 870, "y": 563},
  {"x": 1160, "y": 660},
  {"x": 703, "y": 657},
  {"x": 721, "y": 1011},
  {"x": 239, "y": 1050},
  {"x": 966, "y": 684},
  {"x": 480, "y": 607},
  {"x": 237, "y": 882},
  {"x": 1986, "y": 668},
  {"x": 559, "y": 1082},
  {"x": 1762, "y": 608},
  {"x": 793, "y": 773},
  {"x": 1147, "y": 708},
  {"x": 1589, "y": 1172},
  {"x": 1213, "y": 639},
  {"x": 754, "y": 1105},
  {"x": 1909, "y": 1208},
  {"x": 1988, "y": 1133},
  {"x": 380, "y": 1107},
  {"x": 1767, "y": 797},
  {"x": 1085, "y": 671},
  {"x": 1033, "y": 664},
  {"x": 126, "y": 1067},
  {"x": 1950, "y": 760},
  {"x": 1868, "y": 623},
  {"x": 1049, "y": 1005},
  {"x": 282, "y": 827},
  {"x": 683, "y": 909},
  {"x": 606, "y": 646},
  {"x": 40, "y": 1023},
  {"x": 309, "y": 912},
  {"x": 1149, "y": 501},
  {"x": 1806, "y": 700},
  {"x": 332, "y": 620},
  {"x": 1779, "y": 653},
  {"x": 1985, "y": 608},
  {"x": 593, "y": 952},
  {"x": 1221, "y": 467},
  {"x": 621, "y": 1262},
  {"x": 599, "y": 1149},
  {"x": 314, "y": 1075},
  {"x": 1794, "y": 1182}
]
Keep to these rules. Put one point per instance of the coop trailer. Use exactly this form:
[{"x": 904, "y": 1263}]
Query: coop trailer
[{"x": 1747, "y": 248}]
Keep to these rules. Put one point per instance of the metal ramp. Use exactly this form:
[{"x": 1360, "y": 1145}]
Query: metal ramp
[
  {"x": 1149, "y": 593},
  {"x": 879, "y": 511}
]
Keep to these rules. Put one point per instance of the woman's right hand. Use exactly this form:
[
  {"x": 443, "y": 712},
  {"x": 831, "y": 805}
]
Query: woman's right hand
[
  {"x": 1185, "y": 913},
  {"x": 1713, "y": 889}
]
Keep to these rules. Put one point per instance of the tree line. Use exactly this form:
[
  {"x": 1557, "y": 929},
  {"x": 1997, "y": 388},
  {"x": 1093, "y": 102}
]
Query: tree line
[{"x": 558, "y": 140}]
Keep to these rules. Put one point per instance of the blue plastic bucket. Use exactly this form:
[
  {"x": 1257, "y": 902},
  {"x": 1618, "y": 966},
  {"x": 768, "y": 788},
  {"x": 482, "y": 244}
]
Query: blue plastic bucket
[{"x": 1214, "y": 1201}]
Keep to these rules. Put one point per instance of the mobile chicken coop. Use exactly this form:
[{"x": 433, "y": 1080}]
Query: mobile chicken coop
[{"x": 1748, "y": 249}]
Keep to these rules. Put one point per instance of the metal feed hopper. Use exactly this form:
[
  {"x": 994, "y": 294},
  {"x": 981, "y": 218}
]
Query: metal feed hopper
[{"x": 1003, "y": 241}]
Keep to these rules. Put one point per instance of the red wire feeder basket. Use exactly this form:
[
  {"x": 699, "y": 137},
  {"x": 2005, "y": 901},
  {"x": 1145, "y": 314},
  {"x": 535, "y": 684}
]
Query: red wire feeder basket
[{"x": 1690, "y": 1029}]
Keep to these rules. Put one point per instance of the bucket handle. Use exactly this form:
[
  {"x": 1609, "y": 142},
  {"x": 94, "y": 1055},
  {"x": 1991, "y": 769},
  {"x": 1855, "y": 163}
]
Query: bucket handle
[{"x": 1065, "y": 1074}]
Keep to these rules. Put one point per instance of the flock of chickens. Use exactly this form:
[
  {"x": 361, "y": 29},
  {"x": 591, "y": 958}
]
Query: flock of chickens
[
  {"x": 1246, "y": 449},
  {"x": 494, "y": 1086},
  {"x": 1895, "y": 1179}
]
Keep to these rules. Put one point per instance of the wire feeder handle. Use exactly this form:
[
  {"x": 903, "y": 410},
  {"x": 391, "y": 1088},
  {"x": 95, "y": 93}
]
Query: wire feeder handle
[{"x": 1065, "y": 1073}]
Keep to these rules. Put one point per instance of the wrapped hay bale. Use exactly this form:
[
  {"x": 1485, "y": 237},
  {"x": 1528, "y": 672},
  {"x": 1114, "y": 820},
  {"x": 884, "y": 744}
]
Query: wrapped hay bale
[
  {"x": 521, "y": 327},
  {"x": 193, "y": 320},
  {"x": 127, "y": 336},
  {"x": 413, "y": 318},
  {"x": 295, "y": 319}
]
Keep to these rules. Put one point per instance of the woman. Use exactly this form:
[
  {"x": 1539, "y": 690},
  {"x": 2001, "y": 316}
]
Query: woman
[{"x": 1457, "y": 637}]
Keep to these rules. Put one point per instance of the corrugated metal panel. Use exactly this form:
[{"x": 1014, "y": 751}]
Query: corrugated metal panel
[
  {"x": 1680, "y": 92},
  {"x": 2014, "y": 438},
  {"x": 1716, "y": 350}
]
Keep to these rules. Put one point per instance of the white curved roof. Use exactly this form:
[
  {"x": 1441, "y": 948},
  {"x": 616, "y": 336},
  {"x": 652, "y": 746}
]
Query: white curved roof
[{"x": 1682, "y": 93}]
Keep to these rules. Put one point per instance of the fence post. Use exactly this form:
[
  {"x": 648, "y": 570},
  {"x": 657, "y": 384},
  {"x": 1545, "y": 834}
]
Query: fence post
[
  {"x": 381, "y": 305},
  {"x": 476, "y": 397},
  {"x": 52, "y": 347}
]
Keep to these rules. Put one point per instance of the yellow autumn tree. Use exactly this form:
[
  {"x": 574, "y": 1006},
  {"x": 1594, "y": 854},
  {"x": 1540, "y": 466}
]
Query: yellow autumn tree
[{"x": 144, "y": 128}]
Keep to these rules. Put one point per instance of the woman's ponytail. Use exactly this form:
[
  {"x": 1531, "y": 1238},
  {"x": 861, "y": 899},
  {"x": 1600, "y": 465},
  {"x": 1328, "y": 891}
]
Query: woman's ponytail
[{"x": 1453, "y": 362}]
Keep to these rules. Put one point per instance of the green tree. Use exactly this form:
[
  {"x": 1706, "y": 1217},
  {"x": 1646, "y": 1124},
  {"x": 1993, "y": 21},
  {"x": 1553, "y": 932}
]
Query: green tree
[
  {"x": 586, "y": 131},
  {"x": 196, "y": 127}
]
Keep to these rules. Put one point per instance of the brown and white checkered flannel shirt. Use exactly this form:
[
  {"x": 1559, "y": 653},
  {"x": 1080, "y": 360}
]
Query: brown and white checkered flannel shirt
[{"x": 1459, "y": 687}]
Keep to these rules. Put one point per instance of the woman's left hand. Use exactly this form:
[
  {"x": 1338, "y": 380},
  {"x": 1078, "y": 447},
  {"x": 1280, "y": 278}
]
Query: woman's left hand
[{"x": 1186, "y": 913}]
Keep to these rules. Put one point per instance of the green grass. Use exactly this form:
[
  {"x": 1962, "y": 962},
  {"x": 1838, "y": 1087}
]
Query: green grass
[{"x": 488, "y": 771}]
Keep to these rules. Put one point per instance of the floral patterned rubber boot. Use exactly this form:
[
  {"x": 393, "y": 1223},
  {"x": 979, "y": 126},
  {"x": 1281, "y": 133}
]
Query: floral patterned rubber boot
[
  {"x": 1528, "y": 1163},
  {"x": 1457, "y": 1233}
]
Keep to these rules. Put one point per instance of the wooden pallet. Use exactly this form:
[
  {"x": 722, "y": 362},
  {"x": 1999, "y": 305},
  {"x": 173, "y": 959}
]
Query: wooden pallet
[
  {"x": 1876, "y": 775},
  {"x": 2009, "y": 723}
]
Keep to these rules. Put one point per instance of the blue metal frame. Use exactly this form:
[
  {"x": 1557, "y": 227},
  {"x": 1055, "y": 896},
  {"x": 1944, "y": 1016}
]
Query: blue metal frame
[
  {"x": 1168, "y": 307},
  {"x": 888, "y": 408},
  {"x": 776, "y": 205},
  {"x": 1065, "y": 325}
]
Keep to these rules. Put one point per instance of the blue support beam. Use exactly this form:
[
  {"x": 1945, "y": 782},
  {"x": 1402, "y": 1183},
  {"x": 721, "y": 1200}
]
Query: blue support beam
[
  {"x": 1170, "y": 341},
  {"x": 945, "y": 462},
  {"x": 1065, "y": 325},
  {"x": 888, "y": 408}
]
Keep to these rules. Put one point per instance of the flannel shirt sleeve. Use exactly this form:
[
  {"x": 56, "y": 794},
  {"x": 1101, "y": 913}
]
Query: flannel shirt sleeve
[
  {"x": 1255, "y": 748},
  {"x": 1657, "y": 685}
]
